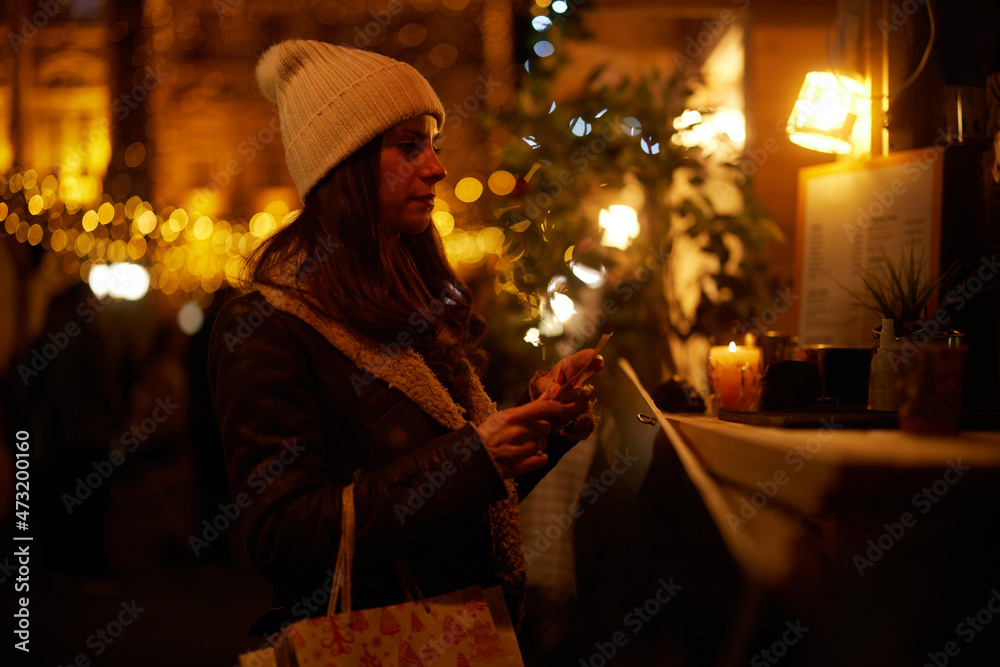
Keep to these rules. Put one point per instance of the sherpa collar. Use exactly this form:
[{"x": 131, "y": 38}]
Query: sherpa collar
[{"x": 405, "y": 370}]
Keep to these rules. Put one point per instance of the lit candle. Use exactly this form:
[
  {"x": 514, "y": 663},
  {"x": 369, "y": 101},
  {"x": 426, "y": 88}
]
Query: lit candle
[{"x": 734, "y": 376}]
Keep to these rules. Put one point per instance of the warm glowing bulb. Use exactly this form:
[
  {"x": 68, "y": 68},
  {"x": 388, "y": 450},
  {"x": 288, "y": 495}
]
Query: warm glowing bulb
[
  {"x": 688, "y": 118},
  {"x": 120, "y": 281},
  {"x": 563, "y": 307},
  {"x": 825, "y": 113},
  {"x": 620, "y": 224},
  {"x": 732, "y": 347},
  {"x": 589, "y": 275}
]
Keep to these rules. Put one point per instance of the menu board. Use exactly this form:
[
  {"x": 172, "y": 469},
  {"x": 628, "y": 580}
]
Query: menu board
[{"x": 848, "y": 214}]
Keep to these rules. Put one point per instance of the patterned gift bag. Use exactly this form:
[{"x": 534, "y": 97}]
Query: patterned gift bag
[
  {"x": 453, "y": 629},
  {"x": 460, "y": 629}
]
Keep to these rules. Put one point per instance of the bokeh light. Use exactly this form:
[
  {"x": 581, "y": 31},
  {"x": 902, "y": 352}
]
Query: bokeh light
[
  {"x": 469, "y": 189},
  {"x": 544, "y": 49},
  {"x": 190, "y": 318},
  {"x": 501, "y": 182}
]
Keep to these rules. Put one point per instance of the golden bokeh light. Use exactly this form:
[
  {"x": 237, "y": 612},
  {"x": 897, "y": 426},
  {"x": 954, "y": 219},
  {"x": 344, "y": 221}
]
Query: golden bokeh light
[
  {"x": 278, "y": 208},
  {"x": 490, "y": 240},
  {"x": 132, "y": 207},
  {"x": 501, "y": 182},
  {"x": 412, "y": 34},
  {"x": 262, "y": 224},
  {"x": 117, "y": 252},
  {"x": 202, "y": 228},
  {"x": 469, "y": 189},
  {"x": 135, "y": 154},
  {"x": 146, "y": 222},
  {"x": 83, "y": 244},
  {"x": 136, "y": 247},
  {"x": 35, "y": 233},
  {"x": 443, "y": 55},
  {"x": 106, "y": 213},
  {"x": 179, "y": 219},
  {"x": 90, "y": 221},
  {"x": 234, "y": 269},
  {"x": 58, "y": 240},
  {"x": 444, "y": 221}
]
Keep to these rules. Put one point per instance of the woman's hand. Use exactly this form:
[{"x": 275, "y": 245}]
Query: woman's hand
[
  {"x": 515, "y": 438},
  {"x": 576, "y": 399}
]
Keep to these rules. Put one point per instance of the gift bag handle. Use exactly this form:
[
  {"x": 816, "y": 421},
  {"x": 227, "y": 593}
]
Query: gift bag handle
[
  {"x": 413, "y": 593},
  {"x": 344, "y": 569},
  {"x": 345, "y": 555}
]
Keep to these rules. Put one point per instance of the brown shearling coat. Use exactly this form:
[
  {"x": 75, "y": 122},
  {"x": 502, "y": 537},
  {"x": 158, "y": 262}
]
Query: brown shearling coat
[{"x": 301, "y": 410}]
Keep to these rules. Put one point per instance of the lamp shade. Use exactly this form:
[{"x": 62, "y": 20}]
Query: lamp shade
[{"x": 825, "y": 113}]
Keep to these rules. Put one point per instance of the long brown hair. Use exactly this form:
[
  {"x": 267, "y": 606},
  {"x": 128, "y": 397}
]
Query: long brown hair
[{"x": 382, "y": 284}]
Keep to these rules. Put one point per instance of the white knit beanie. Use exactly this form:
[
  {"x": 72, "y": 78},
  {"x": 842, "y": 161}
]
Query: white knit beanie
[{"x": 333, "y": 100}]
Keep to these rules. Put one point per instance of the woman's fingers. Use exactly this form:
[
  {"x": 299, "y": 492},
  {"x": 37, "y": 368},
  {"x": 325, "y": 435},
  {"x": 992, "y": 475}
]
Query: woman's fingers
[
  {"x": 520, "y": 423},
  {"x": 540, "y": 408},
  {"x": 571, "y": 371},
  {"x": 515, "y": 438},
  {"x": 584, "y": 359},
  {"x": 530, "y": 464},
  {"x": 590, "y": 364},
  {"x": 578, "y": 369},
  {"x": 520, "y": 459},
  {"x": 521, "y": 435},
  {"x": 575, "y": 401},
  {"x": 577, "y": 395}
]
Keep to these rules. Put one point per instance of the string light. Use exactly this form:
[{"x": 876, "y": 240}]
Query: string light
[
  {"x": 620, "y": 224},
  {"x": 139, "y": 249},
  {"x": 532, "y": 336}
]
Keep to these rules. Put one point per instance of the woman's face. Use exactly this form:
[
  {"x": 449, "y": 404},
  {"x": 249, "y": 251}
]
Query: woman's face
[{"x": 409, "y": 168}]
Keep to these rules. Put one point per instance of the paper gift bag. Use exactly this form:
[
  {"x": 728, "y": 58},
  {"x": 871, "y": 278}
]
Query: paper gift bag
[
  {"x": 265, "y": 657},
  {"x": 452, "y": 629},
  {"x": 464, "y": 628}
]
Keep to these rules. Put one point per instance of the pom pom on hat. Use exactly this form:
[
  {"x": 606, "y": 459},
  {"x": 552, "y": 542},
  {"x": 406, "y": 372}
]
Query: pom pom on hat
[
  {"x": 333, "y": 100},
  {"x": 267, "y": 73}
]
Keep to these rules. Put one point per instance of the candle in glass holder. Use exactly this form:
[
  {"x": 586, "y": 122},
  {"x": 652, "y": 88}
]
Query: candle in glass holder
[{"x": 734, "y": 373}]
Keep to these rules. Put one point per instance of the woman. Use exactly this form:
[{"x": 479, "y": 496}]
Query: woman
[{"x": 357, "y": 356}]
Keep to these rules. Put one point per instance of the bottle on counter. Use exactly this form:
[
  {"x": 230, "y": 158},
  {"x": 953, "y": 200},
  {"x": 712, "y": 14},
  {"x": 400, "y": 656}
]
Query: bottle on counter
[{"x": 884, "y": 387}]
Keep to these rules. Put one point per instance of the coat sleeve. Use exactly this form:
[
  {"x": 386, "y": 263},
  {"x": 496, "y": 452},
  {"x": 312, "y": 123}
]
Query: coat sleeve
[{"x": 277, "y": 449}]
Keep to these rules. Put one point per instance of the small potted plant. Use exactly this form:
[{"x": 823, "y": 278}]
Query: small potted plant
[
  {"x": 928, "y": 362},
  {"x": 900, "y": 291}
]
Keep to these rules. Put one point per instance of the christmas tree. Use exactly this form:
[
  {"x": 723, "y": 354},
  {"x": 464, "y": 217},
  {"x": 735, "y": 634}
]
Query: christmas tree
[{"x": 626, "y": 211}]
